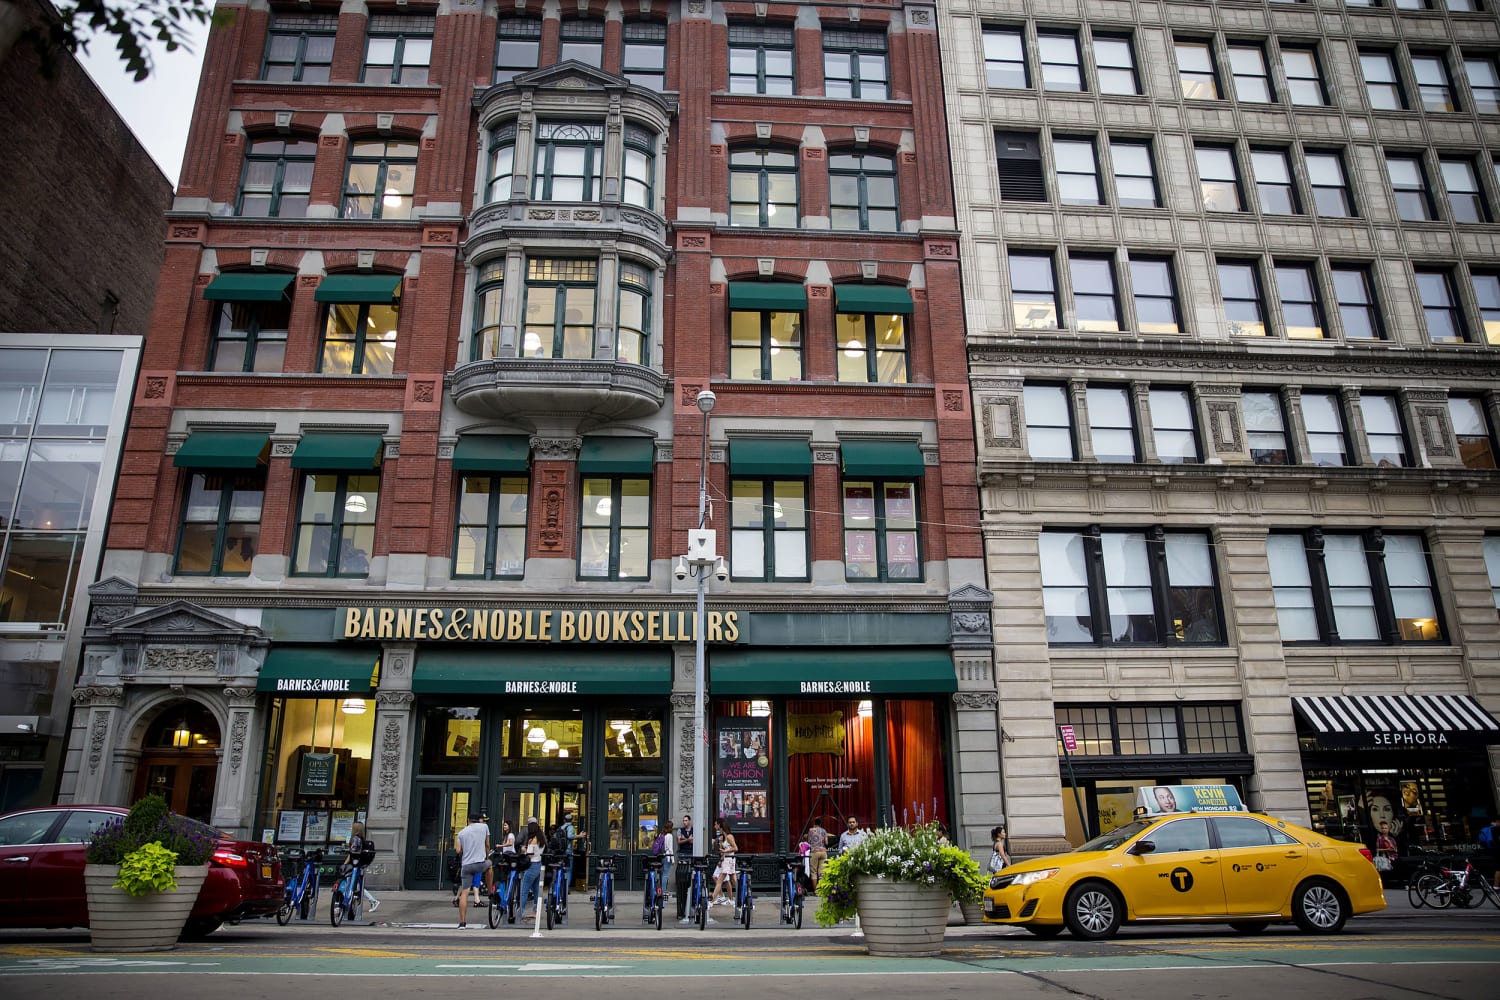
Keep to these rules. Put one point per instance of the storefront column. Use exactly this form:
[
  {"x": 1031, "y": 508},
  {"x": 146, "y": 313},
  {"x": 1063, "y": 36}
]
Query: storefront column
[
  {"x": 1277, "y": 786},
  {"x": 391, "y": 757},
  {"x": 95, "y": 718},
  {"x": 685, "y": 741},
  {"x": 1023, "y": 677},
  {"x": 240, "y": 753},
  {"x": 975, "y": 768}
]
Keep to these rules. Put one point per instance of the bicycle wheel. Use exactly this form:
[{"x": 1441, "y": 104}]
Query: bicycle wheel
[
  {"x": 336, "y": 911},
  {"x": 701, "y": 913},
  {"x": 599, "y": 909},
  {"x": 1414, "y": 897},
  {"x": 660, "y": 907},
  {"x": 309, "y": 904},
  {"x": 1475, "y": 893},
  {"x": 496, "y": 911},
  {"x": 797, "y": 914},
  {"x": 512, "y": 895},
  {"x": 1436, "y": 891},
  {"x": 352, "y": 905},
  {"x": 1491, "y": 893},
  {"x": 747, "y": 909}
]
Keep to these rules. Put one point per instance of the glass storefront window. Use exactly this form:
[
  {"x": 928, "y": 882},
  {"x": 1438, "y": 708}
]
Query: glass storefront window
[
  {"x": 450, "y": 739},
  {"x": 633, "y": 744},
  {"x": 548, "y": 741},
  {"x": 1428, "y": 808},
  {"x": 914, "y": 740},
  {"x": 316, "y": 777}
]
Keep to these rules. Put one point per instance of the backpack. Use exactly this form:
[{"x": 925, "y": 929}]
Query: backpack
[
  {"x": 1487, "y": 838},
  {"x": 558, "y": 844},
  {"x": 659, "y": 845}
]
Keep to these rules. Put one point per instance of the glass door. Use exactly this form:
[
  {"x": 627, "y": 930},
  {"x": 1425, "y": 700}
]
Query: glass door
[
  {"x": 632, "y": 823},
  {"x": 442, "y": 810},
  {"x": 549, "y": 803}
]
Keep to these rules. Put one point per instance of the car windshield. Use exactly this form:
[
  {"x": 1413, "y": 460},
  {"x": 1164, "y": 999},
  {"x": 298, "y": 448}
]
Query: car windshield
[{"x": 1114, "y": 838}]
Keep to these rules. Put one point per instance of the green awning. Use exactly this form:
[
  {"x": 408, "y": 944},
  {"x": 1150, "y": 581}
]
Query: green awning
[
  {"x": 248, "y": 286},
  {"x": 491, "y": 453},
  {"x": 607, "y": 455},
  {"x": 768, "y": 298},
  {"x": 223, "y": 450},
  {"x": 379, "y": 289},
  {"x": 332, "y": 671},
  {"x": 882, "y": 458},
  {"x": 872, "y": 299},
  {"x": 832, "y": 674},
  {"x": 528, "y": 671},
  {"x": 769, "y": 457},
  {"x": 338, "y": 452}
]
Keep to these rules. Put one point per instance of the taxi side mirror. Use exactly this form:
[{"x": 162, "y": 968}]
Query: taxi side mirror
[{"x": 1142, "y": 847}]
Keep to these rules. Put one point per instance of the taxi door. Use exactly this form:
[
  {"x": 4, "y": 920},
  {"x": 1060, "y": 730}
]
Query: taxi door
[
  {"x": 1261, "y": 864},
  {"x": 1178, "y": 877}
]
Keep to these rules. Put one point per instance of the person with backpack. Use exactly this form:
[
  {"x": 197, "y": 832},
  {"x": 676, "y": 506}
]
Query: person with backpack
[
  {"x": 570, "y": 837},
  {"x": 356, "y": 850},
  {"x": 558, "y": 848},
  {"x": 665, "y": 847}
]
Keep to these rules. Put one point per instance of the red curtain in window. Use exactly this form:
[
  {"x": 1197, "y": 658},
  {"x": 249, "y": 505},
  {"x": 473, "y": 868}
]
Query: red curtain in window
[
  {"x": 849, "y": 779},
  {"x": 919, "y": 787}
]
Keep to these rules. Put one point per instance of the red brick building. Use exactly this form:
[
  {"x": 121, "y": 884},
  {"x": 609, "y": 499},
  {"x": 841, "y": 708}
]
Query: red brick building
[{"x": 415, "y": 448}]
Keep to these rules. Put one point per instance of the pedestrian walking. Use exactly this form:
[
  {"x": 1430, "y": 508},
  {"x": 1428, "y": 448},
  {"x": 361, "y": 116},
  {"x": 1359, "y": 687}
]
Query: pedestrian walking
[
  {"x": 817, "y": 849},
  {"x": 725, "y": 870},
  {"x": 999, "y": 856},
  {"x": 473, "y": 846}
]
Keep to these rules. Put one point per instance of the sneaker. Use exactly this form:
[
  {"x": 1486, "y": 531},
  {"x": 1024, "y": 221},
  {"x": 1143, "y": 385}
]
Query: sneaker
[
  {"x": 374, "y": 905},
  {"x": 455, "y": 900},
  {"x": 463, "y": 926}
]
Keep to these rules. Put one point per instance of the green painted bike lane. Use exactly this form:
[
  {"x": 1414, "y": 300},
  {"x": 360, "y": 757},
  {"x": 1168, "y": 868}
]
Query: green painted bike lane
[{"x": 447, "y": 959}]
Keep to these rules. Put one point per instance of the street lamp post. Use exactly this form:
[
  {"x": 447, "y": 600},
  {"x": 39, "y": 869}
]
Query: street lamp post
[{"x": 701, "y": 560}]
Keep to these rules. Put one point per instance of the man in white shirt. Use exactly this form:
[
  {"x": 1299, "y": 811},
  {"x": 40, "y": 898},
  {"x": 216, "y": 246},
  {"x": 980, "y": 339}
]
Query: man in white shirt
[
  {"x": 851, "y": 838},
  {"x": 473, "y": 847}
]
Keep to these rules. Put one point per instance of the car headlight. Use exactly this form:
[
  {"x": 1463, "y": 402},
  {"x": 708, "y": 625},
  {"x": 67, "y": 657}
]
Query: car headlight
[{"x": 1026, "y": 878}]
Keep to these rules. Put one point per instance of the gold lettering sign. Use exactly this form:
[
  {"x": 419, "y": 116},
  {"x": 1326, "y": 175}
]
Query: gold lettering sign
[
  {"x": 533, "y": 625},
  {"x": 822, "y": 733}
]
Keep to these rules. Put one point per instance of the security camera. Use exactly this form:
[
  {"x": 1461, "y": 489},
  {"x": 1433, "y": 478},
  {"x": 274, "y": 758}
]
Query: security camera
[
  {"x": 721, "y": 571},
  {"x": 680, "y": 571}
]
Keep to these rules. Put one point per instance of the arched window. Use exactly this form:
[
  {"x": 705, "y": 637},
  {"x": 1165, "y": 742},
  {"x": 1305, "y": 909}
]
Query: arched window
[{"x": 569, "y": 163}]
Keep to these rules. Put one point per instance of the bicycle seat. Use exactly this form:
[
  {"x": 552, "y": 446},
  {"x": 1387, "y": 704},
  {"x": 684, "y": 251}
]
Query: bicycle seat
[
  {"x": 791, "y": 862},
  {"x": 702, "y": 864},
  {"x": 607, "y": 862},
  {"x": 653, "y": 864},
  {"x": 315, "y": 855},
  {"x": 293, "y": 854}
]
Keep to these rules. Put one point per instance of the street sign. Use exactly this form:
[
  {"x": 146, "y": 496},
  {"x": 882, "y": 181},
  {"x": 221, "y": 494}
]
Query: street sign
[{"x": 1070, "y": 742}]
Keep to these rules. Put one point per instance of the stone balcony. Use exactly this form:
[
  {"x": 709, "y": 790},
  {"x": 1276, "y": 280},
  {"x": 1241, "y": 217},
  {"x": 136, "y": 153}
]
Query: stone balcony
[{"x": 557, "y": 395}]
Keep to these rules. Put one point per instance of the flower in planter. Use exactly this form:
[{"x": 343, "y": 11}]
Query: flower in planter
[
  {"x": 148, "y": 868},
  {"x": 919, "y": 855},
  {"x": 147, "y": 840}
]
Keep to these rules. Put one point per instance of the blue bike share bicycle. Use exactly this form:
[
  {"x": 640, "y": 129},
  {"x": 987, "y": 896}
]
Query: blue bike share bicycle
[
  {"x": 654, "y": 901},
  {"x": 506, "y": 896},
  {"x": 792, "y": 893},
  {"x": 302, "y": 891},
  {"x": 557, "y": 889},
  {"x": 349, "y": 892},
  {"x": 698, "y": 889},
  {"x": 744, "y": 898},
  {"x": 604, "y": 894}
]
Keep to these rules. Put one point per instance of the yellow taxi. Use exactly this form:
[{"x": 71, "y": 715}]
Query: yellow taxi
[{"x": 1240, "y": 868}]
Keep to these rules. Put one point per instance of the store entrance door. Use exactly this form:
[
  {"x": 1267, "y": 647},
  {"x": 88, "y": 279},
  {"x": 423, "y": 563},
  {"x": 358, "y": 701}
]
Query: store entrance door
[
  {"x": 442, "y": 810},
  {"x": 549, "y": 803},
  {"x": 633, "y": 820},
  {"x": 185, "y": 778}
]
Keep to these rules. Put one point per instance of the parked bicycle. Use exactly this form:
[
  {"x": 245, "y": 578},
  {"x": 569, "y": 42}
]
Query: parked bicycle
[
  {"x": 604, "y": 893},
  {"x": 349, "y": 891},
  {"x": 698, "y": 891},
  {"x": 506, "y": 895},
  {"x": 557, "y": 889},
  {"x": 744, "y": 898},
  {"x": 302, "y": 891},
  {"x": 1413, "y": 894},
  {"x": 654, "y": 899},
  {"x": 792, "y": 893},
  {"x": 1465, "y": 887}
]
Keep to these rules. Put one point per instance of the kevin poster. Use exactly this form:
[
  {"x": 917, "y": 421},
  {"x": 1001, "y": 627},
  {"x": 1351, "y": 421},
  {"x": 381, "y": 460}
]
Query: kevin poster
[{"x": 1160, "y": 799}]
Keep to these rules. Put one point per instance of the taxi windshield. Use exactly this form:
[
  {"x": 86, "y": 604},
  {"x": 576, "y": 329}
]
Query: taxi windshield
[{"x": 1114, "y": 838}]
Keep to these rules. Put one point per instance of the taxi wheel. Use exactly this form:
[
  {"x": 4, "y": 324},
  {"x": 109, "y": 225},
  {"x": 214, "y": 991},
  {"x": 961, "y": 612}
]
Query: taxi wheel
[
  {"x": 1250, "y": 926},
  {"x": 1319, "y": 907},
  {"x": 1045, "y": 930},
  {"x": 1092, "y": 911}
]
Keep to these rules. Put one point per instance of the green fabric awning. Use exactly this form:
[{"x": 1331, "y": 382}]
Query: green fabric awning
[
  {"x": 248, "y": 286},
  {"x": 223, "y": 450},
  {"x": 491, "y": 453},
  {"x": 766, "y": 297},
  {"x": 882, "y": 458},
  {"x": 832, "y": 674},
  {"x": 529, "y": 671},
  {"x": 373, "y": 288},
  {"x": 338, "y": 452},
  {"x": 881, "y": 299},
  {"x": 769, "y": 457},
  {"x": 610, "y": 455},
  {"x": 332, "y": 671}
]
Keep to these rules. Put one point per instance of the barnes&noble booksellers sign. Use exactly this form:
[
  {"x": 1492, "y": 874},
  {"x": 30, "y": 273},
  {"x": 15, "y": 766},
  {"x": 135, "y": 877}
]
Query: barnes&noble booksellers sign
[{"x": 548, "y": 625}]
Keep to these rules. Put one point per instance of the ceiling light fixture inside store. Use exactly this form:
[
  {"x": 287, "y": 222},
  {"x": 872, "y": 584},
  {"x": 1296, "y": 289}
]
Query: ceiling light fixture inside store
[
  {"x": 356, "y": 504},
  {"x": 562, "y": 752},
  {"x": 760, "y": 709},
  {"x": 866, "y": 709},
  {"x": 353, "y": 706},
  {"x": 549, "y": 746},
  {"x": 536, "y": 735}
]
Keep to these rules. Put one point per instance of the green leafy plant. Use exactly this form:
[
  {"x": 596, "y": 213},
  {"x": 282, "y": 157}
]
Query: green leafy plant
[
  {"x": 151, "y": 822},
  {"x": 919, "y": 855},
  {"x": 148, "y": 868}
]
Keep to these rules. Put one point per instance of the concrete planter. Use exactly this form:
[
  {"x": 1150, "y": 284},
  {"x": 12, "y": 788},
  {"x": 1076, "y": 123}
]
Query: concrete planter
[
  {"x": 152, "y": 922},
  {"x": 902, "y": 919},
  {"x": 973, "y": 913}
]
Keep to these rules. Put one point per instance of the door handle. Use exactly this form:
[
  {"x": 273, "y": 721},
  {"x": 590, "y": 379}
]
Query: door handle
[
  {"x": 1208, "y": 861},
  {"x": 11, "y": 861}
]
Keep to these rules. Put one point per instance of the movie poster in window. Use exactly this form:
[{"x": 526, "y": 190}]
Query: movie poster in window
[
  {"x": 860, "y": 548},
  {"x": 742, "y": 763},
  {"x": 901, "y": 552},
  {"x": 859, "y": 503},
  {"x": 900, "y": 504}
]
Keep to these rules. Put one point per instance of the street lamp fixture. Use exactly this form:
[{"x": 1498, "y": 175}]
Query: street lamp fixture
[{"x": 702, "y": 559}]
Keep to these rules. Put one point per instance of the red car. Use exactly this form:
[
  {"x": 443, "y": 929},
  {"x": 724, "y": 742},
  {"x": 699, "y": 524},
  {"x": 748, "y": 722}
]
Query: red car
[{"x": 41, "y": 872}]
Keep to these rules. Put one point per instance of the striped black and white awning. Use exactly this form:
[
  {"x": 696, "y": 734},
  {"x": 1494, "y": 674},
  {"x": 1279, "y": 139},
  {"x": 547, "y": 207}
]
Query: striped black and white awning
[{"x": 1397, "y": 720}]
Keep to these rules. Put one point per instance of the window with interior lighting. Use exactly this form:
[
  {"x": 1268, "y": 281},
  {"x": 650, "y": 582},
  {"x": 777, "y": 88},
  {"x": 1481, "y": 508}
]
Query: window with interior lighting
[
  {"x": 765, "y": 345},
  {"x": 762, "y": 188},
  {"x": 490, "y": 540},
  {"x": 380, "y": 179},
  {"x": 614, "y": 535},
  {"x": 633, "y": 323},
  {"x": 335, "y": 525},
  {"x": 1472, "y": 431},
  {"x": 359, "y": 338},
  {"x": 872, "y": 347},
  {"x": 881, "y": 537},
  {"x": 768, "y": 529},
  {"x": 559, "y": 312},
  {"x": 1347, "y": 587},
  {"x": 1151, "y": 587},
  {"x": 277, "y": 178},
  {"x": 249, "y": 336},
  {"x": 543, "y": 741},
  {"x": 450, "y": 740},
  {"x": 633, "y": 743},
  {"x": 220, "y": 523},
  {"x": 333, "y": 737}
]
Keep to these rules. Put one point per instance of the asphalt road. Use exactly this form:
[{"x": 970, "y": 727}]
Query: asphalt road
[{"x": 1398, "y": 954}]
